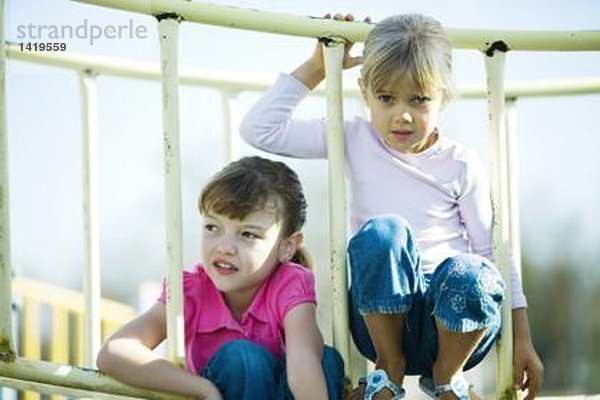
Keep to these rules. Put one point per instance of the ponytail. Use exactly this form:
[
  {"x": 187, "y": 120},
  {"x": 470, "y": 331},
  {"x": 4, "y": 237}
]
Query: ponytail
[{"x": 303, "y": 257}]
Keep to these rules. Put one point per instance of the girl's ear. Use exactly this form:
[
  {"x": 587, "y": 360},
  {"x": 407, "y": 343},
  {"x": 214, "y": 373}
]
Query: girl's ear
[{"x": 289, "y": 245}]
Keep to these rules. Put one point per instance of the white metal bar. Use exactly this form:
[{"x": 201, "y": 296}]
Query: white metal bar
[
  {"x": 231, "y": 124},
  {"x": 168, "y": 34},
  {"x": 334, "y": 54},
  {"x": 287, "y": 24},
  {"x": 240, "y": 18},
  {"x": 7, "y": 349},
  {"x": 59, "y": 379},
  {"x": 512, "y": 160},
  {"x": 545, "y": 88},
  {"x": 494, "y": 64},
  {"x": 129, "y": 68},
  {"x": 91, "y": 245}
]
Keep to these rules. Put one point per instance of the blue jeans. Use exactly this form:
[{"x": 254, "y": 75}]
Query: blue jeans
[
  {"x": 244, "y": 370},
  {"x": 465, "y": 293}
]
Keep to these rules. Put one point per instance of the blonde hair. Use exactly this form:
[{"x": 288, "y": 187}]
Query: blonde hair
[{"x": 409, "y": 47}]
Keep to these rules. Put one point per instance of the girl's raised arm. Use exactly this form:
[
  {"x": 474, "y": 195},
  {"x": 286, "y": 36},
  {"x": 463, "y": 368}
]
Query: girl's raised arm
[
  {"x": 127, "y": 356},
  {"x": 269, "y": 125},
  {"x": 304, "y": 351}
]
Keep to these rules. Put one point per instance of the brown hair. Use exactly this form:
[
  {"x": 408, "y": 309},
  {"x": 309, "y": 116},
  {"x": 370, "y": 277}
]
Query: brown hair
[
  {"x": 252, "y": 183},
  {"x": 410, "y": 46}
]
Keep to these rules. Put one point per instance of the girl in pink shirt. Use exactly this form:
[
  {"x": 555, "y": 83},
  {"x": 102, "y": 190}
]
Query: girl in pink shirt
[
  {"x": 425, "y": 296},
  {"x": 249, "y": 308}
]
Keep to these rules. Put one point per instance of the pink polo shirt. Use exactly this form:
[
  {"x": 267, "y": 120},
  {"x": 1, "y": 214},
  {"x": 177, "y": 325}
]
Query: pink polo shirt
[{"x": 209, "y": 323}]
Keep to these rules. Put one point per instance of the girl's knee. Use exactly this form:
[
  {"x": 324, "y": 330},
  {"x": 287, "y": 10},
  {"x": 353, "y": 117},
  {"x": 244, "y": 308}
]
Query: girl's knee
[
  {"x": 379, "y": 237},
  {"x": 462, "y": 270},
  {"x": 243, "y": 355},
  {"x": 467, "y": 291},
  {"x": 241, "y": 369},
  {"x": 382, "y": 228}
]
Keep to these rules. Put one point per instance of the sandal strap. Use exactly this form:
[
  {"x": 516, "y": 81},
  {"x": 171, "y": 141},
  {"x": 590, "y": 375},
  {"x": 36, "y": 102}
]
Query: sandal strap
[
  {"x": 377, "y": 381},
  {"x": 459, "y": 386},
  {"x": 443, "y": 389}
]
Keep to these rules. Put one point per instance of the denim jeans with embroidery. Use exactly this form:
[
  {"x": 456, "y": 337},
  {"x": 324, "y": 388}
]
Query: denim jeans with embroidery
[
  {"x": 243, "y": 370},
  {"x": 465, "y": 293}
]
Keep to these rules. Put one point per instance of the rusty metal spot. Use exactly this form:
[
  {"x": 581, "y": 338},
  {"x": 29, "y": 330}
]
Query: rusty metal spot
[{"x": 7, "y": 354}]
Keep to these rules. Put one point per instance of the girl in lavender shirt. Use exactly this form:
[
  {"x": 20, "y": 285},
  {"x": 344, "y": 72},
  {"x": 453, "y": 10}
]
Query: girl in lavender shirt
[
  {"x": 425, "y": 295},
  {"x": 249, "y": 308}
]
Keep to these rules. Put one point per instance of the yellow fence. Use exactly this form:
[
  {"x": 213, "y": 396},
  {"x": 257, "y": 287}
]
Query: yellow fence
[{"x": 50, "y": 323}]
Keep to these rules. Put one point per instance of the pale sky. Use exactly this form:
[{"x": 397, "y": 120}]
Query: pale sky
[{"x": 557, "y": 137}]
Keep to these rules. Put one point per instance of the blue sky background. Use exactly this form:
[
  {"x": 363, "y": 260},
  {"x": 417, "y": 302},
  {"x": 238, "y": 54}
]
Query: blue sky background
[{"x": 558, "y": 137}]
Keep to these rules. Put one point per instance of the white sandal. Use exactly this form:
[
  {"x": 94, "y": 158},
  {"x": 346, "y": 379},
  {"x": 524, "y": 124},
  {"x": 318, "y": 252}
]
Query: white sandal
[
  {"x": 458, "y": 386},
  {"x": 378, "y": 380}
]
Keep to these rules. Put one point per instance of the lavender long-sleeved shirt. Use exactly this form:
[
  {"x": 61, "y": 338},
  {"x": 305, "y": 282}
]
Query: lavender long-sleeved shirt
[{"x": 442, "y": 192}]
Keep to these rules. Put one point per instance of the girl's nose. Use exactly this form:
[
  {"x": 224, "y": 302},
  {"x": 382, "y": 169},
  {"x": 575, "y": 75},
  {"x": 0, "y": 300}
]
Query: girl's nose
[
  {"x": 403, "y": 116},
  {"x": 226, "y": 247},
  {"x": 406, "y": 117}
]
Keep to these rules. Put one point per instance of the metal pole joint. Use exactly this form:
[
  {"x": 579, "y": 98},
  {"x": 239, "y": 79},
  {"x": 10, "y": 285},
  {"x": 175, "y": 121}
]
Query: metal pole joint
[
  {"x": 498, "y": 45},
  {"x": 331, "y": 40},
  {"x": 90, "y": 72},
  {"x": 168, "y": 15}
]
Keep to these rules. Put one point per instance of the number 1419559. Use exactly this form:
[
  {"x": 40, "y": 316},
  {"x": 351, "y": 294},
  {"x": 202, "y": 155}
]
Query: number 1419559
[{"x": 43, "y": 46}]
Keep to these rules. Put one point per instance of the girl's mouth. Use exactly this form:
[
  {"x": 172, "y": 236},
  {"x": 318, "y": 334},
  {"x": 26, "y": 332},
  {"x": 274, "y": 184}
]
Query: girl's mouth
[
  {"x": 224, "y": 268},
  {"x": 401, "y": 135}
]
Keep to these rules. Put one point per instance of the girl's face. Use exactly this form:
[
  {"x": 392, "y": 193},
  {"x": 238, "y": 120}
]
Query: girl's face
[
  {"x": 239, "y": 255},
  {"x": 404, "y": 118}
]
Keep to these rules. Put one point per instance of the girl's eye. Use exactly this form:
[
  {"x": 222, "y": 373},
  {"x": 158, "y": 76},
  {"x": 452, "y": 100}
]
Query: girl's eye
[
  {"x": 210, "y": 227},
  {"x": 418, "y": 100},
  {"x": 250, "y": 235},
  {"x": 385, "y": 98}
]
